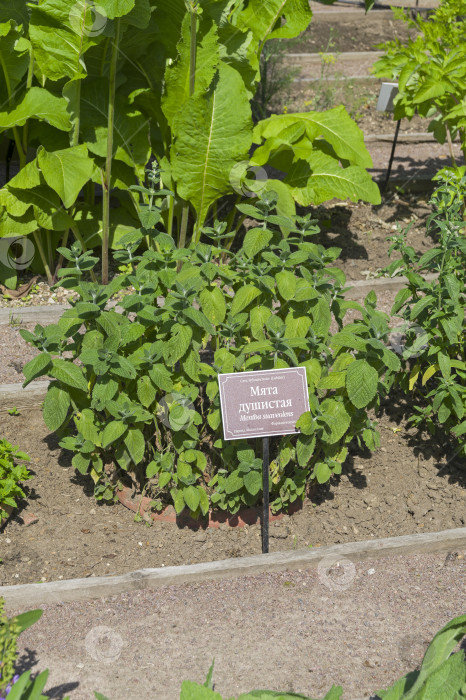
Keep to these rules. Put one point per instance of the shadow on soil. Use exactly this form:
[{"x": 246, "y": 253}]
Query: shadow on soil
[
  {"x": 27, "y": 661},
  {"x": 444, "y": 450}
]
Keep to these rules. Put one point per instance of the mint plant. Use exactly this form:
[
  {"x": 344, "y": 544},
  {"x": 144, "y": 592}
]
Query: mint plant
[
  {"x": 434, "y": 367},
  {"x": 138, "y": 401},
  {"x": 12, "y": 473},
  {"x": 431, "y": 71}
]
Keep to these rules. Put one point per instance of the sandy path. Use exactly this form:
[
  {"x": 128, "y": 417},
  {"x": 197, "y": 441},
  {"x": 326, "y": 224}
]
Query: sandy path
[{"x": 361, "y": 625}]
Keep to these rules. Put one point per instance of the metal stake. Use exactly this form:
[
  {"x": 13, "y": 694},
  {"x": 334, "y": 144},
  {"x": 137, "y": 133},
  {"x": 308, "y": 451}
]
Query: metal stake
[
  {"x": 265, "y": 497},
  {"x": 392, "y": 155}
]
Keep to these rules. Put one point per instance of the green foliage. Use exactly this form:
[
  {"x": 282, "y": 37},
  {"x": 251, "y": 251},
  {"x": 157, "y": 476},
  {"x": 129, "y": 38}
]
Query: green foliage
[
  {"x": 12, "y": 473},
  {"x": 10, "y": 629},
  {"x": 434, "y": 325},
  {"x": 442, "y": 673},
  {"x": 144, "y": 395},
  {"x": 431, "y": 70},
  {"x": 95, "y": 92}
]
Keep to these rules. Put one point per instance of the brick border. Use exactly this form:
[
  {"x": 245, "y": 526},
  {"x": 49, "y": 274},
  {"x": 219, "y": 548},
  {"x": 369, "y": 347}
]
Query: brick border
[{"x": 245, "y": 516}]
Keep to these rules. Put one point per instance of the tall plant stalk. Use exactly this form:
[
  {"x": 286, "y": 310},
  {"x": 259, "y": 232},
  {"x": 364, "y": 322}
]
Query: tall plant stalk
[
  {"x": 43, "y": 257},
  {"x": 106, "y": 176},
  {"x": 192, "y": 87}
]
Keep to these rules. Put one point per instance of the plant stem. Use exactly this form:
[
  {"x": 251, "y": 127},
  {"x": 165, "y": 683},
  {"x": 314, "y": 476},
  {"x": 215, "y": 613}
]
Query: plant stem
[
  {"x": 48, "y": 237},
  {"x": 184, "y": 227},
  {"x": 192, "y": 87},
  {"x": 16, "y": 136},
  {"x": 28, "y": 87},
  {"x": 77, "y": 112},
  {"x": 171, "y": 212},
  {"x": 108, "y": 165},
  {"x": 80, "y": 239},
  {"x": 43, "y": 257},
  {"x": 450, "y": 146},
  {"x": 63, "y": 245}
]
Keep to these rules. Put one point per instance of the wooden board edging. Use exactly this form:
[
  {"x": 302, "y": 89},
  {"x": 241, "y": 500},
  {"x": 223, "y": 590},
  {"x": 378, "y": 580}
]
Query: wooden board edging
[{"x": 55, "y": 592}]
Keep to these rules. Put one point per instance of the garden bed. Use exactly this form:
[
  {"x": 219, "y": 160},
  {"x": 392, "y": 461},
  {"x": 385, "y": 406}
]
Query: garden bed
[
  {"x": 353, "y": 31},
  {"x": 411, "y": 484}
]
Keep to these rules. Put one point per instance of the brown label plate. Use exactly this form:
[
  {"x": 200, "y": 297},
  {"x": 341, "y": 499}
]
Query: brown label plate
[{"x": 263, "y": 403}]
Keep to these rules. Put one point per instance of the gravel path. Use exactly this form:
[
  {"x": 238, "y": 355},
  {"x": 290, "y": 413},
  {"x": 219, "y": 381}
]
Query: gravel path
[{"x": 361, "y": 626}]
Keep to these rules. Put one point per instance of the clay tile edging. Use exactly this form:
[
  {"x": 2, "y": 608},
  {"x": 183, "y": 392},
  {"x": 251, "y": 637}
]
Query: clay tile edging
[{"x": 245, "y": 516}]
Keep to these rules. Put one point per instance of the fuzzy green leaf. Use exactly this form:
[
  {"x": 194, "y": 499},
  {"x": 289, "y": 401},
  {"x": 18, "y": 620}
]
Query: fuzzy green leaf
[
  {"x": 135, "y": 444},
  {"x": 361, "y": 383},
  {"x": 243, "y": 297},
  {"x": 69, "y": 374},
  {"x": 112, "y": 432},
  {"x": 56, "y": 406},
  {"x": 213, "y": 305},
  {"x": 37, "y": 367}
]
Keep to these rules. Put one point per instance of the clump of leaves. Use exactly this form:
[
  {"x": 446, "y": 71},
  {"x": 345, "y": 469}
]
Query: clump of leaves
[
  {"x": 431, "y": 70},
  {"x": 138, "y": 402},
  {"x": 10, "y": 629},
  {"x": 12, "y": 473},
  {"x": 434, "y": 325}
]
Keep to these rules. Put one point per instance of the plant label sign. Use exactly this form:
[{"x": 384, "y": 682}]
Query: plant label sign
[{"x": 263, "y": 403}]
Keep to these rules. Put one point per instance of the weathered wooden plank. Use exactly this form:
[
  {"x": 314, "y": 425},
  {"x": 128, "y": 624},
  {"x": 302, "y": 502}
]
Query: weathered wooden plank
[{"x": 104, "y": 586}]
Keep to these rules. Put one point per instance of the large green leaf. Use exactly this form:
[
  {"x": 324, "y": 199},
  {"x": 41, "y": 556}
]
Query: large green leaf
[
  {"x": 213, "y": 305},
  {"x": 46, "y": 207},
  {"x": 243, "y": 297},
  {"x": 264, "y": 18},
  {"x": 212, "y": 134},
  {"x": 168, "y": 18},
  {"x": 322, "y": 178},
  {"x": 16, "y": 226},
  {"x": 61, "y": 32},
  {"x": 66, "y": 171},
  {"x": 69, "y": 374},
  {"x": 37, "y": 367},
  {"x": 16, "y": 10},
  {"x": 336, "y": 418},
  {"x": 334, "y": 125},
  {"x": 14, "y": 57},
  {"x": 135, "y": 444},
  {"x": 177, "y": 76},
  {"x": 112, "y": 432},
  {"x": 361, "y": 383},
  {"x": 38, "y": 103},
  {"x": 56, "y": 405},
  {"x": 131, "y": 129}
]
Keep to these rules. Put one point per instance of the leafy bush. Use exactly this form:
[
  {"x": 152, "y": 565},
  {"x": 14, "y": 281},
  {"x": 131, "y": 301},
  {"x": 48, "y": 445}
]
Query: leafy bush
[
  {"x": 96, "y": 91},
  {"x": 143, "y": 393},
  {"x": 431, "y": 70},
  {"x": 433, "y": 313},
  {"x": 12, "y": 474},
  {"x": 10, "y": 629}
]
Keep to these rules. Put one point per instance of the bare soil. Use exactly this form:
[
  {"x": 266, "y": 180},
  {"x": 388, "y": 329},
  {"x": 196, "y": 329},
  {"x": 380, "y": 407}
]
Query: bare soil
[
  {"x": 413, "y": 483},
  {"x": 359, "y": 33},
  {"x": 296, "y": 631}
]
